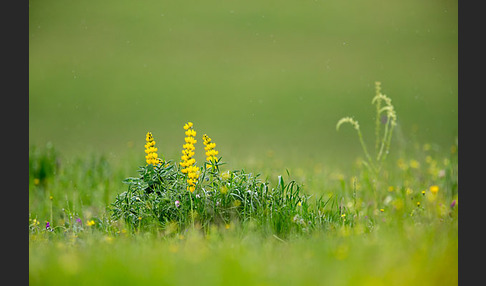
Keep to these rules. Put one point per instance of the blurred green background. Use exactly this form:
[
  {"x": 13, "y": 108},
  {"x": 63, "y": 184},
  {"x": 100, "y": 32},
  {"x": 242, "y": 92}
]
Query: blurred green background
[{"x": 264, "y": 79}]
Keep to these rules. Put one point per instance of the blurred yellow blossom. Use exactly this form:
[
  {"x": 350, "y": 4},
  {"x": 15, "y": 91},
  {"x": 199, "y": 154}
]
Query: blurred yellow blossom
[
  {"x": 402, "y": 164},
  {"x": 225, "y": 175},
  {"x": 414, "y": 164},
  {"x": 434, "y": 189}
]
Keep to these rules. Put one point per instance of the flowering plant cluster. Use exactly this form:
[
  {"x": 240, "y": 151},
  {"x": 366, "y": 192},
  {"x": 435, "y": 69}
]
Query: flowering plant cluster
[{"x": 183, "y": 194}]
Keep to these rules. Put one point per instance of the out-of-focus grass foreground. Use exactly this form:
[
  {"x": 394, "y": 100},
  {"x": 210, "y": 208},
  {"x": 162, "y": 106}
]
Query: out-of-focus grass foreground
[{"x": 334, "y": 127}]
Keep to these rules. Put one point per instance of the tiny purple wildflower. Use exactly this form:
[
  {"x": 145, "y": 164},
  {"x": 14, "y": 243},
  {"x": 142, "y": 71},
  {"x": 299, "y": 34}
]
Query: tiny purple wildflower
[
  {"x": 177, "y": 204},
  {"x": 78, "y": 220},
  {"x": 48, "y": 225},
  {"x": 453, "y": 204}
]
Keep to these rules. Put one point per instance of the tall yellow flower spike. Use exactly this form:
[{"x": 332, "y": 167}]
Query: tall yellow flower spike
[
  {"x": 210, "y": 151},
  {"x": 188, "y": 163},
  {"x": 151, "y": 150}
]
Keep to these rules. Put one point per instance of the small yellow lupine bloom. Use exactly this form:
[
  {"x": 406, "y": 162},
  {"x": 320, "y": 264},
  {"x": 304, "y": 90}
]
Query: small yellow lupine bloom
[
  {"x": 210, "y": 151},
  {"x": 188, "y": 125},
  {"x": 152, "y": 157},
  {"x": 188, "y": 163}
]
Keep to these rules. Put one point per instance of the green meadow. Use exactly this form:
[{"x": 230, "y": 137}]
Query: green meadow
[{"x": 291, "y": 197}]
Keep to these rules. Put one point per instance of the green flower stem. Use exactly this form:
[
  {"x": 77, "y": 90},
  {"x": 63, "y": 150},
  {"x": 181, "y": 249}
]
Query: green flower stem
[
  {"x": 377, "y": 121},
  {"x": 192, "y": 210},
  {"x": 383, "y": 140},
  {"x": 363, "y": 145},
  {"x": 388, "y": 142}
]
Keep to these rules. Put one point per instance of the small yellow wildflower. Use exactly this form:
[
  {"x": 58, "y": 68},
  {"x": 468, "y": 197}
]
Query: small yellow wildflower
[
  {"x": 391, "y": 188},
  {"x": 90, "y": 223},
  {"x": 36, "y": 181},
  {"x": 423, "y": 193},
  {"x": 434, "y": 189},
  {"x": 382, "y": 210},
  {"x": 418, "y": 204},
  {"x": 299, "y": 204}
]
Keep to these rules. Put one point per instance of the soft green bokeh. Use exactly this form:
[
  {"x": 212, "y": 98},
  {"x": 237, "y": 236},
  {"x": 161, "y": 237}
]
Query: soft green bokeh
[
  {"x": 387, "y": 257},
  {"x": 257, "y": 76},
  {"x": 267, "y": 81}
]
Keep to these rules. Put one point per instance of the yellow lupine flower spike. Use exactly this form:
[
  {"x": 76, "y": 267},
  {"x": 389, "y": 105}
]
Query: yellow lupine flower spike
[
  {"x": 210, "y": 152},
  {"x": 152, "y": 156},
  {"x": 187, "y": 161}
]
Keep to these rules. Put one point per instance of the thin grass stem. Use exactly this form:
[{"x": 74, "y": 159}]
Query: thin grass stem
[{"x": 385, "y": 134}]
